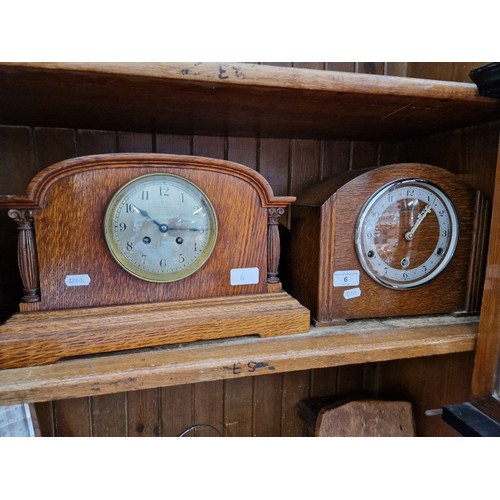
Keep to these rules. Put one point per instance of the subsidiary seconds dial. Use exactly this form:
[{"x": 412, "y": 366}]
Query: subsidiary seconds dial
[
  {"x": 160, "y": 227},
  {"x": 406, "y": 233}
]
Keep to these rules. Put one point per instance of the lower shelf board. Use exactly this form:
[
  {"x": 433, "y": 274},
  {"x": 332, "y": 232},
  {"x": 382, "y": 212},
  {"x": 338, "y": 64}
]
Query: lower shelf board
[{"x": 356, "y": 342}]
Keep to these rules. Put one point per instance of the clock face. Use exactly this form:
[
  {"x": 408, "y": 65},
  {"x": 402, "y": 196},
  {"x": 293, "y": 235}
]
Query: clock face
[
  {"x": 160, "y": 227},
  {"x": 406, "y": 233}
]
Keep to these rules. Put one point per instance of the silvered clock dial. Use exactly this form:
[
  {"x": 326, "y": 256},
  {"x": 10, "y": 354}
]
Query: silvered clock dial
[
  {"x": 160, "y": 227},
  {"x": 406, "y": 233}
]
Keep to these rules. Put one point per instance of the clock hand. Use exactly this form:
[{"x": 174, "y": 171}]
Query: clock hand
[
  {"x": 421, "y": 216},
  {"x": 162, "y": 227}
]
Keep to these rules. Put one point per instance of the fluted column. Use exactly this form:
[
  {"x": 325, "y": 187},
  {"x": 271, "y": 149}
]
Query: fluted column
[
  {"x": 26, "y": 254},
  {"x": 273, "y": 244}
]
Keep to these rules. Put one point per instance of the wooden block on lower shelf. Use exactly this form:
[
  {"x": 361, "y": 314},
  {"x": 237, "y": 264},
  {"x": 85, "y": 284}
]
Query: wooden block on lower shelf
[{"x": 366, "y": 418}]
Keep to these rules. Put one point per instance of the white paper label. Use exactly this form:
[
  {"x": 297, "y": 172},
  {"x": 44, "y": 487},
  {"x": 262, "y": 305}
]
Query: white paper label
[
  {"x": 77, "y": 280},
  {"x": 352, "y": 293},
  {"x": 245, "y": 276},
  {"x": 346, "y": 278}
]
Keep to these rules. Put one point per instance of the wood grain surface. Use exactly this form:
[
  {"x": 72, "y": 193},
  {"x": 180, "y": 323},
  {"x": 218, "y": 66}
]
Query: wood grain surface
[
  {"x": 322, "y": 241},
  {"x": 237, "y": 99},
  {"x": 366, "y": 341}
]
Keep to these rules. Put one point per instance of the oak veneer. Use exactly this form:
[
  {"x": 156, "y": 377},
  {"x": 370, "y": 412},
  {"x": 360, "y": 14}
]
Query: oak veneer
[
  {"x": 322, "y": 241},
  {"x": 64, "y": 211}
]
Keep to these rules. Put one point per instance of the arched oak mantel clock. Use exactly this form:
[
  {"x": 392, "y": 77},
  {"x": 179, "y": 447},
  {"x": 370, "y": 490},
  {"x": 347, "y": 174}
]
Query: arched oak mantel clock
[
  {"x": 123, "y": 251},
  {"x": 399, "y": 240}
]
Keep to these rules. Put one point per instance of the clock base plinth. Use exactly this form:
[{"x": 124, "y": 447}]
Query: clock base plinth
[
  {"x": 37, "y": 338},
  {"x": 319, "y": 323}
]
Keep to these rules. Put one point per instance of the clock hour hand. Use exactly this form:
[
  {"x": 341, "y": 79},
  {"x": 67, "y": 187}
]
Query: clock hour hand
[
  {"x": 420, "y": 217},
  {"x": 162, "y": 227}
]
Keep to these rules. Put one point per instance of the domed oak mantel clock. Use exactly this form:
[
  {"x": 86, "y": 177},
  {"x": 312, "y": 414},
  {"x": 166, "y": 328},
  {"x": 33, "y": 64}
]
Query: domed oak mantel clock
[
  {"x": 399, "y": 240},
  {"x": 126, "y": 251}
]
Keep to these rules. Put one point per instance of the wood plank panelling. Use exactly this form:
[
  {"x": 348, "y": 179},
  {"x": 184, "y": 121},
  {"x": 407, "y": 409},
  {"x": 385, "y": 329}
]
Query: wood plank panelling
[
  {"x": 263, "y": 405},
  {"x": 449, "y": 71},
  {"x": 415, "y": 381},
  {"x": 143, "y": 413}
]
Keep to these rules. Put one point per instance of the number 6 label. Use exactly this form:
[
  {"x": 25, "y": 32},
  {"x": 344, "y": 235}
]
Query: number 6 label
[
  {"x": 346, "y": 278},
  {"x": 245, "y": 276}
]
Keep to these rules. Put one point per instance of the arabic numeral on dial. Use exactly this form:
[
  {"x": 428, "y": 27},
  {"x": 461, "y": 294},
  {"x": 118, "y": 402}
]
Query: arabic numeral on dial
[
  {"x": 122, "y": 226},
  {"x": 163, "y": 263},
  {"x": 410, "y": 192},
  {"x": 405, "y": 276},
  {"x": 129, "y": 208},
  {"x": 145, "y": 195},
  {"x": 181, "y": 258},
  {"x": 130, "y": 245},
  {"x": 164, "y": 190},
  {"x": 444, "y": 233}
]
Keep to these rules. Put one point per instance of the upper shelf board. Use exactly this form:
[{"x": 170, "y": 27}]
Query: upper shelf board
[{"x": 236, "y": 99}]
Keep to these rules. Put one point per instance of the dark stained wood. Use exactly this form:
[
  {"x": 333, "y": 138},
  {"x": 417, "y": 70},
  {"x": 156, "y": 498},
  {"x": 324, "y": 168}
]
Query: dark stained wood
[
  {"x": 17, "y": 159},
  {"x": 322, "y": 241},
  {"x": 296, "y": 386},
  {"x": 449, "y": 71},
  {"x": 208, "y": 409},
  {"x": 238, "y": 403},
  {"x": 266, "y": 412},
  {"x": 108, "y": 415},
  {"x": 236, "y": 99},
  {"x": 72, "y": 417},
  {"x": 27, "y": 255},
  {"x": 53, "y": 145},
  {"x": 143, "y": 413},
  {"x": 487, "y": 361},
  {"x": 428, "y": 383},
  {"x": 176, "y": 409}
]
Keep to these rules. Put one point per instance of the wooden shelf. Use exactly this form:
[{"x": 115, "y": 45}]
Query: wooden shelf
[
  {"x": 354, "y": 343},
  {"x": 235, "y": 99}
]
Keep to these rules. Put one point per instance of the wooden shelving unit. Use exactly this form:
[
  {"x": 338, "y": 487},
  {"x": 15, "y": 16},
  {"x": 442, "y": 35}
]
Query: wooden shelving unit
[
  {"x": 236, "y": 99},
  {"x": 254, "y": 101},
  {"x": 357, "y": 342}
]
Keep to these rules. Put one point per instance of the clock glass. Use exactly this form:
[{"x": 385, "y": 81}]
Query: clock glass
[
  {"x": 406, "y": 233},
  {"x": 160, "y": 227}
]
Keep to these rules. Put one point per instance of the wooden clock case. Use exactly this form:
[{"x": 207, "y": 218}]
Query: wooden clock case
[
  {"x": 61, "y": 238},
  {"x": 322, "y": 241}
]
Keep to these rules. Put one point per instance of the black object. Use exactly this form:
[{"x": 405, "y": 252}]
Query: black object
[
  {"x": 480, "y": 418},
  {"x": 487, "y": 79}
]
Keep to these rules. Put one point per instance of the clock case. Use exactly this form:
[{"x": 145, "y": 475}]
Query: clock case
[
  {"x": 61, "y": 242},
  {"x": 322, "y": 241}
]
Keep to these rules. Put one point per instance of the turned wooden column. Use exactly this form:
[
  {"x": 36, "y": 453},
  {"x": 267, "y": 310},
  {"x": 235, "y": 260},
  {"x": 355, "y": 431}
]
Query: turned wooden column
[
  {"x": 26, "y": 254},
  {"x": 273, "y": 244}
]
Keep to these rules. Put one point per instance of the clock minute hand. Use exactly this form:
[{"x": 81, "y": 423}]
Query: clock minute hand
[
  {"x": 162, "y": 227},
  {"x": 421, "y": 216}
]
